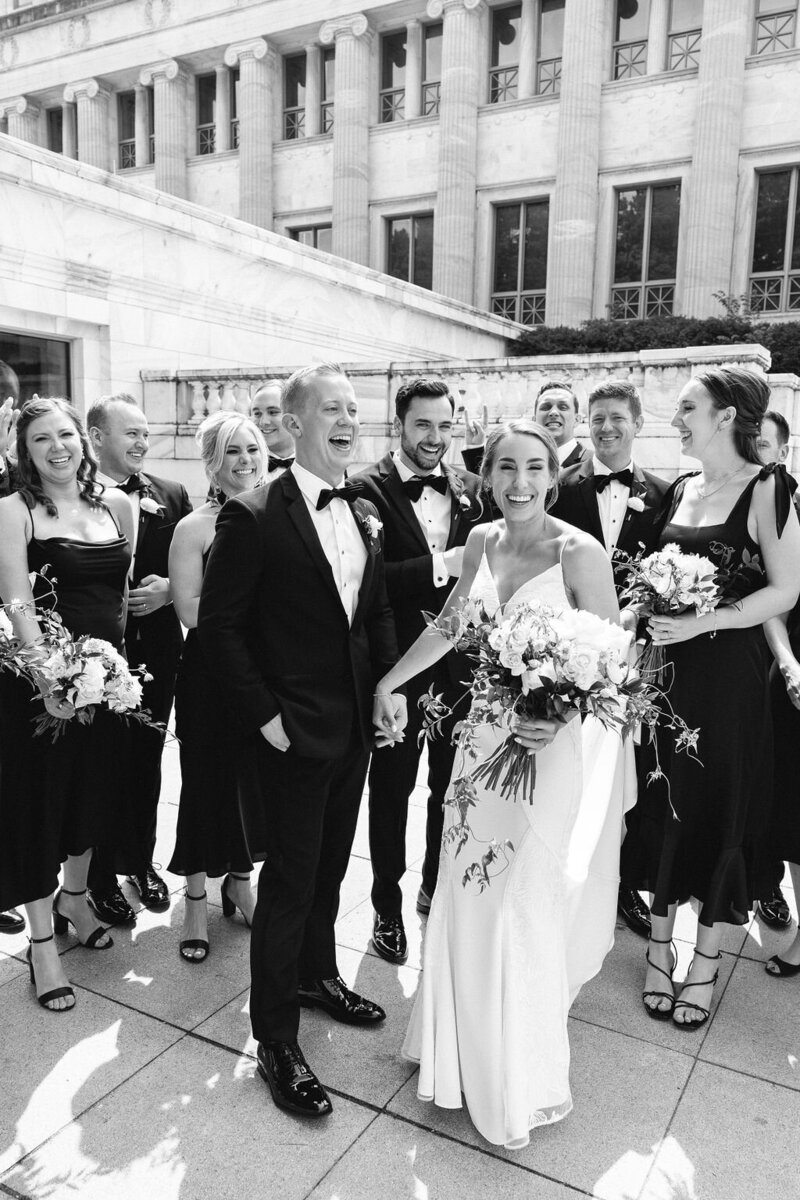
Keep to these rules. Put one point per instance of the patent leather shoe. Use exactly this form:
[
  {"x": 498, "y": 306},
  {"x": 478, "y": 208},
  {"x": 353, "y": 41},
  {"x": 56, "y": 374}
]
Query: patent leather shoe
[
  {"x": 774, "y": 910},
  {"x": 11, "y": 921},
  {"x": 633, "y": 910},
  {"x": 339, "y": 1002},
  {"x": 293, "y": 1084},
  {"x": 111, "y": 906},
  {"x": 151, "y": 888},
  {"x": 389, "y": 939}
]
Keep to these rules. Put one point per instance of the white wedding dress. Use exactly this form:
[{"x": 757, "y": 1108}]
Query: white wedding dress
[{"x": 501, "y": 968}]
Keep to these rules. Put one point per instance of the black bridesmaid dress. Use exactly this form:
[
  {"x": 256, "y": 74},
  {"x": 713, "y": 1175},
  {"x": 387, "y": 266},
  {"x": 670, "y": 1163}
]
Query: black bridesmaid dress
[{"x": 786, "y": 728}]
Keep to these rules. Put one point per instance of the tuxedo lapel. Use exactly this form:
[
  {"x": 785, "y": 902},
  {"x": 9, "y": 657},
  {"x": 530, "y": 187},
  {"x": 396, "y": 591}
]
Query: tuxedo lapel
[
  {"x": 298, "y": 515},
  {"x": 630, "y": 530},
  {"x": 395, "y": 494},
  {"x": 588, "y": 494},
  {"x": 361, "y": 512},
  {"x": 455, "y": 491}
]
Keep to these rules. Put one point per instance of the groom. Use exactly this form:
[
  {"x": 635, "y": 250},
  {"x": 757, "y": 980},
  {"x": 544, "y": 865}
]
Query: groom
[{"x": 295, "y": 624}]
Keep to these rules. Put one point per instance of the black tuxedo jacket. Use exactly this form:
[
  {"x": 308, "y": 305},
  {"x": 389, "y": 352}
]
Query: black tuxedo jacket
[
  {"x": 473, "y": 457},
  {"x": 274, "y": 631},
  {"x": 577, "y": 504},
  {"x": 409, "y": 569},
  {"x": 158, "y": 634}
]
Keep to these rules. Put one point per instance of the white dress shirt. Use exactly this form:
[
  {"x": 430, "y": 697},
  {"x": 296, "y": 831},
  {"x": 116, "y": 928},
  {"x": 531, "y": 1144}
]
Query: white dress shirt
[
  {"x": 133, "y": 499},
  {"x": 433, "y": 513},
  {"x": 565, "y": 450},
  {"x": 338, "y": 533},
  {"x": 612, "y": 503}
]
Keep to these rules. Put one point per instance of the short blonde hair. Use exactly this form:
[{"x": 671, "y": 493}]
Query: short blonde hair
[{"x": 213, "y": 438}]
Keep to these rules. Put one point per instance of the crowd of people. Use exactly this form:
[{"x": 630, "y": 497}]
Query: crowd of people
[{"x": 301, "y": 589}]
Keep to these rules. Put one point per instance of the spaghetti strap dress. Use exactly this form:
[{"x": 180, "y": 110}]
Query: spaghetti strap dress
[
  {"x": 700, "y": 828},
  {"x": 56, "y": 798}
]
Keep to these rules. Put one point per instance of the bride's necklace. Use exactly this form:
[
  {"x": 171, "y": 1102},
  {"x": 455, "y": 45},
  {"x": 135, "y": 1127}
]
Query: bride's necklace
[{"x": 705, "y": 494}]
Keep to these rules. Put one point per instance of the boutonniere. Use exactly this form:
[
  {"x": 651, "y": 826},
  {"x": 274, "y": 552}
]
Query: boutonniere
[
  {"x": 464, "y": 502},
  {"x": 149, "y": 505},
  {"x": 372, "y": 525},
  {"x": 636, "y": 503}
]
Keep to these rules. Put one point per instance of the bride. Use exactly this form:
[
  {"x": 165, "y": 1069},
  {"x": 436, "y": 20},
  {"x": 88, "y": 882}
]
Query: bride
[{"x": 501, "y": 967}]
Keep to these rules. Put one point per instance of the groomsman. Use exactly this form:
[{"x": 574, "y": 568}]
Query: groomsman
[
  {"x": 611, "y": 497},
  {"x": 265, "y": 409},
  {"x": 556, "y": 408},
  {"x": 295, "y": 624},
  {"x": 121, "y": 438},
  {"x": 427, "y": 509}
]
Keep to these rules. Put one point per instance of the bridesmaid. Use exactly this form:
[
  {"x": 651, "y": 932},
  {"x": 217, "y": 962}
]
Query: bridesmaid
[
  {"x": 211, "y": 838},
  {"x": 699, "y": 831},
  {"x": 54, "y": 802}
]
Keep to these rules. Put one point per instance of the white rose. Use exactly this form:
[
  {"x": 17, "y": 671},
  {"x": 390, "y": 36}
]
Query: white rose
[{"x": 87, "y": 688}]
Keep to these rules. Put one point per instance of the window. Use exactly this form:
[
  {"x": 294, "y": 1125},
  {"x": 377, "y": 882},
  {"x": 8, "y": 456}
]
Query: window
[
  {"x": 646, "y": 251},
  {"x": 55, "y": 129},
  {"x": 34, "y": 366},
  {"x": 504, "y": 69},
  {"x": 393, "y": 77},
  {"x": 551, "y": 44},
  {"x": 520, "y": 261},
  {"x": 685, "y": 31},
  {"x": 233, "y": 84},
  {"x": 126, "y": 129},
  {"x": 775, "y": 278},
  {"x": 318, "y": 236},
  {"x": 410, "y": 249},
  {"x": 775, "y": 20},
  {"x": 206, "y": 87},
  {"x": 630, "y": 38},
  {"x": 294, "y": 97},
  {"x": 431, "y": 70},
  {"x": 328, "y": 89}
]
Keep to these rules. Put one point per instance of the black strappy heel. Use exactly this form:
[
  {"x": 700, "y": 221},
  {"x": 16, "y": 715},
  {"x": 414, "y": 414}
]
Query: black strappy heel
[
  {"x": 54, "y": 993},
  {"x": 61, "y": 923},
  {"x": 229, "y": 906},
  {"x": 660, "y": 1014},
  {"x": 688, "y": 1004},
  {"x": 194, "y": 943}
]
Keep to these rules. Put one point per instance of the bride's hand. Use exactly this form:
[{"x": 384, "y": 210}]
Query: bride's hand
[
  {"x": 535, "y": 733},
  {"x": 666, "y": 630}
]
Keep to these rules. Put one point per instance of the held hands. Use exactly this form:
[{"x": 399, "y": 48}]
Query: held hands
[
  {"x": 535, "y": 733},
  {"x": 151, "y": 594},
  {"x": 390, "y": 717},
  {"x": 670, "y": 630},
  {"x": 274, "y": 733},
  {"x": 476, "y": 429},
  {"x": 791, "y": 677}
]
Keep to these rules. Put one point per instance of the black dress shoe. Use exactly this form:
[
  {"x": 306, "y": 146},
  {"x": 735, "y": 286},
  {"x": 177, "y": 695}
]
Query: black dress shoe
[
  {"x": 151, "y": 888},
  {"x": 775, "y": 910},
  {"x": 292, "y": 1082},
  {"x": 111, "y": 906},
  {"x": 339, "y": 1002},
  {"x": 389, "y": 939},
  {"x": 11, "y": 921},
  {"x": 633, "y": 910}
]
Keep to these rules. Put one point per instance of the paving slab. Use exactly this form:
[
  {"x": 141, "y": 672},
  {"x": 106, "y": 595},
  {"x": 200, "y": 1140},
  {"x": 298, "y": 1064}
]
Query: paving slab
[
  {"x": 354, "y": 928},
  {"x": 401, "y": 1161},
  {"x": 762, "y": 941},
  {"x": 196, "y": 1124},
  {"x": 732, "y": 1138},
  {"x": 54, "y": 1066}
]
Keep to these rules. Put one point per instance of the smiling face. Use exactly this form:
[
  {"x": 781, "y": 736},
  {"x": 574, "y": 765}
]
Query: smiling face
[
  {"x": 242, "y": 464},
  {"x": 770, "y": 448},
  {"x": 268, "y": 417},
  {"x": 698, "y": 420},
  {"x": 555, "y": 409},
  {"x": 521, "y": 477},
  {"x": 425, "y": 432},
  {"x": 54, "y": 448},
  {"x": 325, "y": 426},
  {"x": 121, "y": 447},
  {"x": 613, "y": 427}
]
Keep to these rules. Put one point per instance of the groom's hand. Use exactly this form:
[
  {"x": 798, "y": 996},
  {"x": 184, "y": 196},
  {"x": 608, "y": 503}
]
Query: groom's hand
[
  {"x": 274, "y": 733},
  {"x": 390, "y": 717}
]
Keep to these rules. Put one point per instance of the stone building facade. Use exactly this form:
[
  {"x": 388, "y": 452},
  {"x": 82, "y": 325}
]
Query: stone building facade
[{"x": 545, "y": 160}]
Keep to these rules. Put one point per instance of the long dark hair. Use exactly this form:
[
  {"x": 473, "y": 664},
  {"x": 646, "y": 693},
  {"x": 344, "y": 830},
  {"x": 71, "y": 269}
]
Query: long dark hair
[
  {"x": 29, "y": 482},
  {"x": 748, "y": 393}
]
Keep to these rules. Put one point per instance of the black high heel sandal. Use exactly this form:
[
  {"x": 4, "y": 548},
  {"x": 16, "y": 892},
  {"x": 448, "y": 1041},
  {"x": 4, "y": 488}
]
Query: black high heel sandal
[
  {"x": 194, "y": 943},
  {"x": 782, "y": 968},
  {"x": 54, "y": 993},
  {"x": 688, "y": 1004},
  {"x": 61, "y": 924},
  {"x": 660, "y": 1014},
  {"x": 229, "y": 906}
]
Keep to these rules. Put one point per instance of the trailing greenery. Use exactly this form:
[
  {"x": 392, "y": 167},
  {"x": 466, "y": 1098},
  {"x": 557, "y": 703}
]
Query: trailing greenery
[{"x": 656, "y": 333}]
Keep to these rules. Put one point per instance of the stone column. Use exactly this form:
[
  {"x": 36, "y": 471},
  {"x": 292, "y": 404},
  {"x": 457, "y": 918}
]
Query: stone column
[
  {"x": 91, "y": 98},
  {"x": 170, "y": 115},
  {"x": 69, "y": 132},
  {"x": 313, "y": 89},
  {"x": 528, "y": 50},
  {"x": 353, "y": 38},
  {"x": 23, "y": 119},
  {"x": 141, "y": 126},
  {"x": 657, "y": 36},
  {"x": 222, "y": 111},
  {"x": 708, "y": 208},
  {"x": 574, "y": 201},
  {"x": 413, "y": 107},
  {"x": 462, "y": 78},
  {"x": 257, "y": 63}
]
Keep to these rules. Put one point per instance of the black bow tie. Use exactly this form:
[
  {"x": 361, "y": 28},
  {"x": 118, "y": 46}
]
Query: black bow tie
[
  {"x": 279, "y": 464},
  {"x": 347, "y": 492},
  {"x": 625, "y": 477},
  {"x": 133, "y": 486},
  {"x": 414, "y": 486}
]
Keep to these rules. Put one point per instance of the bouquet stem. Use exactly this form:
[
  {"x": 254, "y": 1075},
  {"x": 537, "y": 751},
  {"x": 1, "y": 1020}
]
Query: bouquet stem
[
  {"x": 652, "y": 665},
  {"x": 511, "y": 770}
]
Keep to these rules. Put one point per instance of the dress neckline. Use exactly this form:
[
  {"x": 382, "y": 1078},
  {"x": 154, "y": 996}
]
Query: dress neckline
[
  {"x": 522, "y": 586},
  {"x": 79, "y": 541}
]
